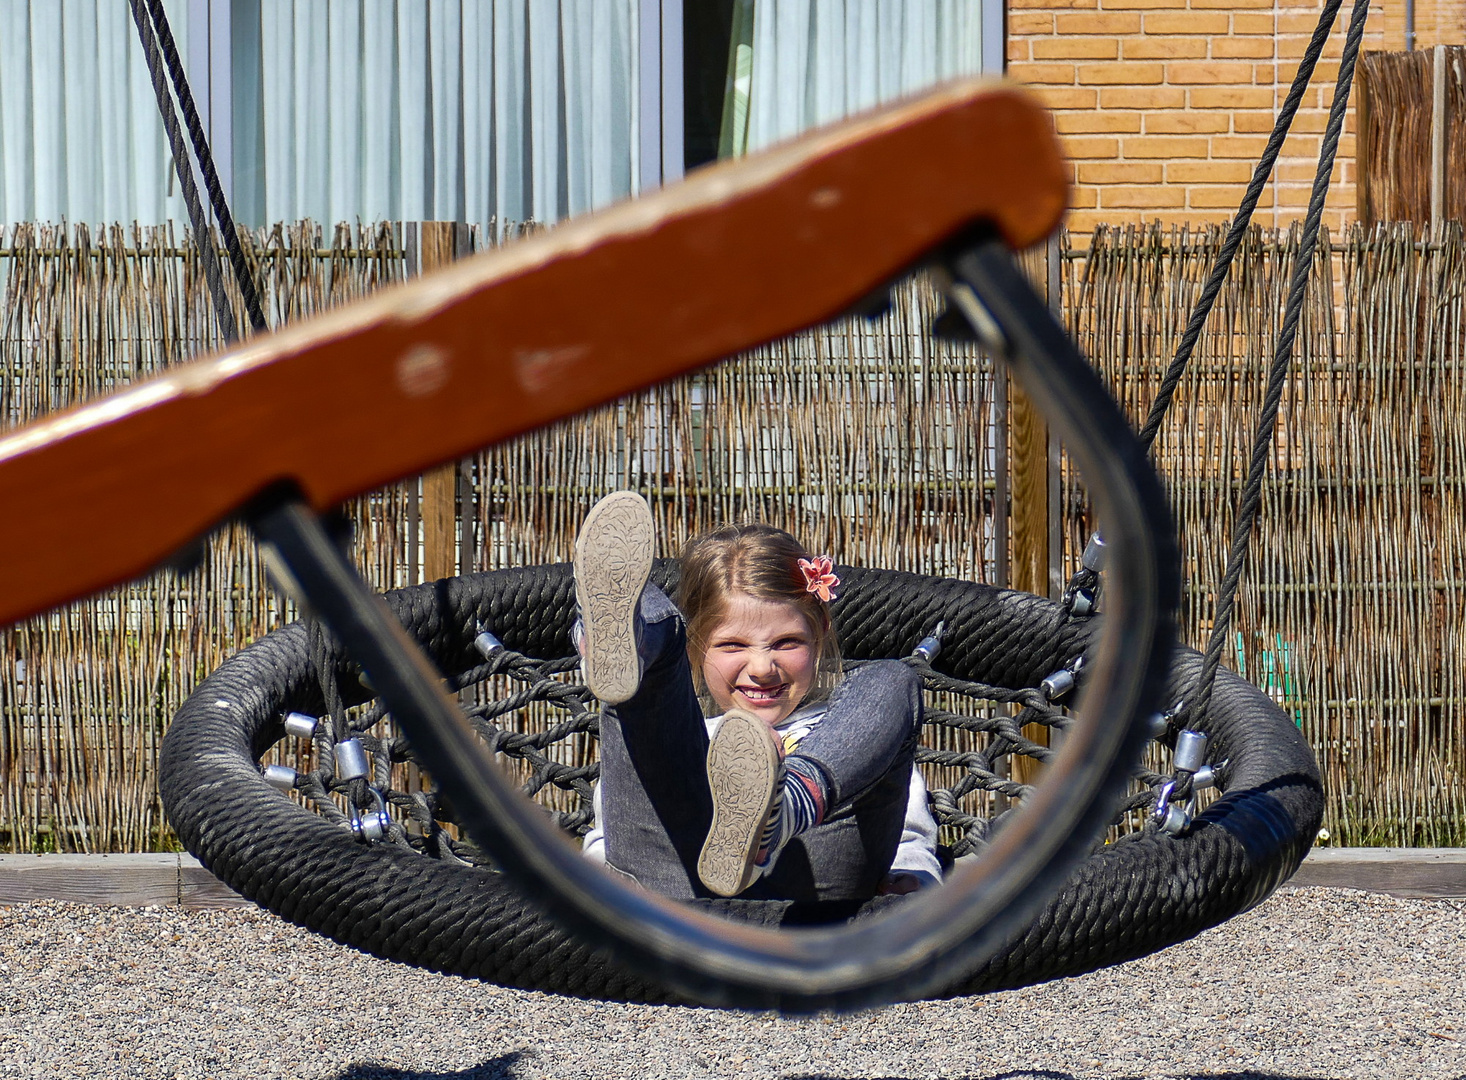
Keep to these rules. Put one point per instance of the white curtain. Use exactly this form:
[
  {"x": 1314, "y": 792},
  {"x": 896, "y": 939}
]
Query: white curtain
[
  {"x": 466, "y": 110},
  {"x": 80, "y": 137},
  {"x": 808, "y": 62}
]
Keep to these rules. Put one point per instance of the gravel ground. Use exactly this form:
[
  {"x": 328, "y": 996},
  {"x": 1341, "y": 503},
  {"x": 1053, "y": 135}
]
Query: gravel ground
[{"x": 1314, "y": 983}]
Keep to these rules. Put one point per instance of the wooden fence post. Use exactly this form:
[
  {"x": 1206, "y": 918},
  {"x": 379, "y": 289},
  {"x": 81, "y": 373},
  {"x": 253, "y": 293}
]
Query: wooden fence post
[
  {"x": 430, "y": 245},
  {"x": 1035, "y": 495}
]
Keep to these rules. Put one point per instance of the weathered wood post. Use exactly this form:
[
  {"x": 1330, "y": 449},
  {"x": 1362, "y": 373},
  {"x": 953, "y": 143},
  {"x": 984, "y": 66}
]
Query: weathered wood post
[{"x": 430, "y": 245}]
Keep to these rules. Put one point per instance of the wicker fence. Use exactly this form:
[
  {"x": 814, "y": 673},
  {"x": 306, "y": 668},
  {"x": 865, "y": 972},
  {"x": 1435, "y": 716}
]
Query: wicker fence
[{"x": 870, "y": 440}]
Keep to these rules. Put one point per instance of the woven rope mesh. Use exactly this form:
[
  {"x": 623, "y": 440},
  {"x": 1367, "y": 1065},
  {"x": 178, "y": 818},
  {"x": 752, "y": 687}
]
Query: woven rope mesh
[{"x": 542, "y": 725}]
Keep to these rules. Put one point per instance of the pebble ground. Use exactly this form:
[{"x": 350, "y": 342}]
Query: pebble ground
[{"x": 1314, "y": 983}]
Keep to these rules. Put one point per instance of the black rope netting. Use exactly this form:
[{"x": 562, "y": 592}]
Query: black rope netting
[{"x": 538, "y": 718}]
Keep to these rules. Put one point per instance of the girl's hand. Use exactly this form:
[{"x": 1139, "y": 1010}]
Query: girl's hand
[{"x": 898, "y": 884}]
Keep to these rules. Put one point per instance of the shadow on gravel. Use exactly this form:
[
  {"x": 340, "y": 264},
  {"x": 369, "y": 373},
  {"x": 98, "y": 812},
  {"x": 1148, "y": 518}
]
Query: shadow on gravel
[{"x": 499, "y": 1068}]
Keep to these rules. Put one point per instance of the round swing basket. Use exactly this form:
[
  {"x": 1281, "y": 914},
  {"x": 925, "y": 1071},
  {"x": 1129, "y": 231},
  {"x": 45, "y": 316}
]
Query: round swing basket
[{"x": 419, "y": 896}]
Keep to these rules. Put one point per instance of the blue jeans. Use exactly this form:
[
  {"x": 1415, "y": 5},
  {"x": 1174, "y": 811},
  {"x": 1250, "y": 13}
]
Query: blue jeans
[{"x": 656, "y": 804}]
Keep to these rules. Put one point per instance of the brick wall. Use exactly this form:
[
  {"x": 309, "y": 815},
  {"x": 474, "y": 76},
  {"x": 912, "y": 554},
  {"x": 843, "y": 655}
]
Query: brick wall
[{"x": 1164, "y": 106}]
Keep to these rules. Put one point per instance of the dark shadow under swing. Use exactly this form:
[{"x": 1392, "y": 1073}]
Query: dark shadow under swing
[{"x": 415, "y": 896}]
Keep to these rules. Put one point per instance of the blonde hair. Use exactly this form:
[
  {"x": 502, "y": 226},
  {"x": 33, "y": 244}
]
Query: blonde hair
[{"x": 754, "y": 560}]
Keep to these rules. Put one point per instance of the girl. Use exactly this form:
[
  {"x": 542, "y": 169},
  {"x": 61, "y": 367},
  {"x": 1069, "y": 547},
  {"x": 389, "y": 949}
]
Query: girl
[{"x": 805, "y": 792}]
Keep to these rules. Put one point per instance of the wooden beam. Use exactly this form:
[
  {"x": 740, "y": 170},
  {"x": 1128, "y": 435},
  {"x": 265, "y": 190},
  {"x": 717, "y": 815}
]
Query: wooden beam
[
  {"x": 740, "y": 253},
  {"x": 439, "y": 244}
]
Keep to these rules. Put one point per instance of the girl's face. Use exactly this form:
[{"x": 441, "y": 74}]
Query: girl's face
[{"x": 760, "y": 658}]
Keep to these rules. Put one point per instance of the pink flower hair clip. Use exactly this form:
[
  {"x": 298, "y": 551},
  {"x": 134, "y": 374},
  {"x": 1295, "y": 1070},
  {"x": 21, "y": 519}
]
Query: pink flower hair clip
[{"x": 819, "y": 577}]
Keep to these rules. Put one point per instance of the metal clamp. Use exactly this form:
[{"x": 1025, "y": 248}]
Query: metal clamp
[
  {"x": 931, "y": 645},
  {"x": 373, "y": 826},
  {"x": 1056, "y": 684},
  {"x": 301, "y": 725}
]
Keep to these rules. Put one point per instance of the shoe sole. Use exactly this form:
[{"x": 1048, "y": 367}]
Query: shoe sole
[
  {"x": 613, "y": 559},
  {"x": 743, "y": 772}
]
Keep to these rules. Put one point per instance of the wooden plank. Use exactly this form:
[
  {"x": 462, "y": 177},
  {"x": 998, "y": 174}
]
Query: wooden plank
[
  {"x": 1415, "y": 873},
  {"x": 131, "y": 880},
  {"x": 199, "y": 889},
  {"x": 740, "y": 253}
]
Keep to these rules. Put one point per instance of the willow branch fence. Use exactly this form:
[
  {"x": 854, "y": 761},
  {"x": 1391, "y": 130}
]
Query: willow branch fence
[{"x": 869, "y": 439}]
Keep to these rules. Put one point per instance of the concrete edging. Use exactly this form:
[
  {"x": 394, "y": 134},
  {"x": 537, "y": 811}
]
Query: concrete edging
[{"x": 178, "y": 879}]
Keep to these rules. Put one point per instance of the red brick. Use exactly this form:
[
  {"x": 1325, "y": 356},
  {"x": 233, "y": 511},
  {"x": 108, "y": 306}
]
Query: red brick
[
  {"x": 1246, "y": 120},
  {"x": 1293, "y": 22},
  {"x": 1049, "y": 74},
  {"x": 1028, "y": 23},
  {"x": 1265, "y": 74},
  {"x": 1220, "y": 196},
  {"x": 1086, "y": 221},
  {"x": 1076, "y": 48},
  {"x": 1186, "y": 123},
  {"x": 1121, "y": 172},
  {"x": 1020, "y": 51},
  {"x": 1120, "y": 73},
  {"x": 1165, "y": 147},
  {"x": 1246, "y": 147},
  {"x": 1149, "y": 196},
  {"x": 1066, "y": 97},
  {"x": 1305, "y": 146},
  {"x": 1096, "y": 22},
  {"x": 1187, "y": 22},
  {"x": 1232, "y": 97},
  {"x": 1208, "y": 172},
  {"x": 1242, "y": 48},
  {"x": 1091, "y": 146},
  {"x": 1165, "y": 48},
  {"x": 1209, "y": 74},
  {"x": 1142, "y": 97},
  {"x": 1083, "y": 198},
  {"x": 1254, "y": 22},
  {"x": 1097, "y": 123}
]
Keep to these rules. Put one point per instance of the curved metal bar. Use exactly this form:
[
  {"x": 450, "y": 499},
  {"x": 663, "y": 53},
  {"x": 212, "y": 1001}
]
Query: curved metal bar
[{"x": 936, "y": 937}]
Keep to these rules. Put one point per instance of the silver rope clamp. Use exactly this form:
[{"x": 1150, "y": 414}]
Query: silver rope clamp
[
  {"x": 486, "y": 643},
  {"x": 351, "y": 760},
  {"x": 301, "y": 725},
  {"x": 1058, "y": 683},
  {"x": 930, "y": 646},
  {"x": 1094, "y": 554},
  {"x": 281, "y": 776},
  {"x": 1190, "y": 753}
]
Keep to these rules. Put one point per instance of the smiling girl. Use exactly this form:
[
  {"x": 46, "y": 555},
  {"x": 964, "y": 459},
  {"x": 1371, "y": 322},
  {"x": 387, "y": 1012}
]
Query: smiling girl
[{"x": 807, "y": 788}]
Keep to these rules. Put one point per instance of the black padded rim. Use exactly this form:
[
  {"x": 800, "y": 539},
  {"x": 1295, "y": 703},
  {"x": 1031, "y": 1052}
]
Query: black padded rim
[{"x": 1127, "y": 900}]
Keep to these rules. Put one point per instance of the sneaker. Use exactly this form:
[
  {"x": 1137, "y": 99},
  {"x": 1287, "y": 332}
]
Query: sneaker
[
  {"x": 746, "y": 774},
  {"x": 613, "y": 559}
]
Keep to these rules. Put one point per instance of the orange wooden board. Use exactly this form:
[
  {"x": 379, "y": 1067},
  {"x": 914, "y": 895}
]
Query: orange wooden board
[{"x": 739, "y": 254}]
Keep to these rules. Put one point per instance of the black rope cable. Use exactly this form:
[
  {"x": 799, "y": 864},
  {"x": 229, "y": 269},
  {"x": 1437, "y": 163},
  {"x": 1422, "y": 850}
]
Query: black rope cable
[
  {"x": 203, "y": 241},
  {"x": 1277, "y": 377},
  {"x": 1085, "y": 577},
  {"x": 205, "y": 158},
  {"x": 1239, "y": 226}
]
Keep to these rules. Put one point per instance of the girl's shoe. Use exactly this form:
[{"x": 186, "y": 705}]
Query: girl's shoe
[
  {"x": 613, "y": 559},
  {"x": 746, "y": 775}
]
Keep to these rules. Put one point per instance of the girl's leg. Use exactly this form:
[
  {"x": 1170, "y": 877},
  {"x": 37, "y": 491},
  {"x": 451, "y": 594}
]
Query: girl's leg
[
  {"x": 857, "y": 763},
  {"x": 655, "y": 802}
]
